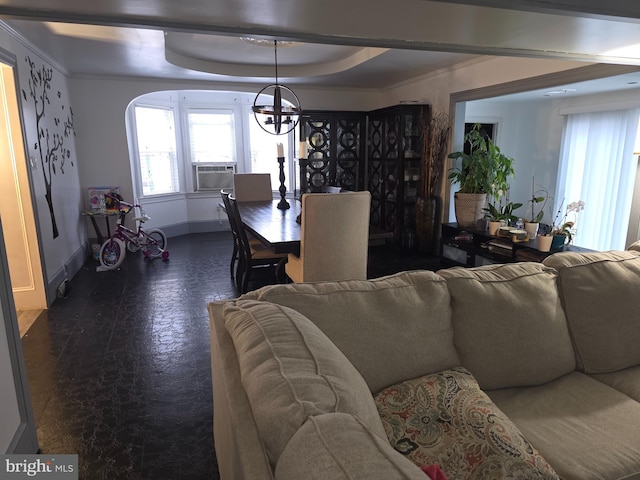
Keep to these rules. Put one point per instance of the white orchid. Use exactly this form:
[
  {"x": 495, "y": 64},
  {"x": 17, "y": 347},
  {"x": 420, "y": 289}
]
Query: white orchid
[
  {"x": 565, "y": 226},
  {"x": 575, "y": 206}
]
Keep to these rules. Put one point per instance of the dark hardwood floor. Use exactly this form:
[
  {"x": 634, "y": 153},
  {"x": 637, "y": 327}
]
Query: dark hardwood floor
[{"x": 119, "y": 370}]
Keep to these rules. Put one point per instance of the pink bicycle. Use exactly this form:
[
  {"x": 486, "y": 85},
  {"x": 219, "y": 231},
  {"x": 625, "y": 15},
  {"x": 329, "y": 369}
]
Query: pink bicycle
[{"x": 153, "y": 243}]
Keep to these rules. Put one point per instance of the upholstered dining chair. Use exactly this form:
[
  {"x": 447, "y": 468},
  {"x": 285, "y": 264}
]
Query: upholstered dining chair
[
  {"x": 251, "y": 253},
  {"x": 252, "y": 187},
  {"x": 334, "y": 238}
]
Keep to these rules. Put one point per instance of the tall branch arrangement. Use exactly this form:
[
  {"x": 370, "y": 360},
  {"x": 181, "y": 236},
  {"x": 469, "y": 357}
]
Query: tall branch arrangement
[
  {"x": 435, "y": 139},
  {"x": 51, "y": 143}
]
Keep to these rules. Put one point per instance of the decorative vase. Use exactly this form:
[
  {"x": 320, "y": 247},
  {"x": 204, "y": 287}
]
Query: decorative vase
[
  {"x": 427, "y": 223},
  {"x": 469, "y": 208},
  {"x": 532, "y": 229},
  {"x": 494, "y": 227},
  {"x": 544, "y": 242},
  {"x": 558, "y": 241}
]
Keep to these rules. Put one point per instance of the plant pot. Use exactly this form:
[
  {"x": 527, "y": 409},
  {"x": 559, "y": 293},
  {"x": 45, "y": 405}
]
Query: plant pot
[
  {"x": 469, "y": 208},
  {"x": 544, "y": 242},
  {"x": 532, "y": 229},
  {"x": 494, "y": 227},
  {"x": 558, "y": 241}
]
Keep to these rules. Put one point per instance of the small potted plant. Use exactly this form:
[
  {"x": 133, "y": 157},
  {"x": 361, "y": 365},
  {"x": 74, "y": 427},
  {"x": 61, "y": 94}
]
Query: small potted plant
[
  {"x": 540, "y": 196},
  {"x": 499, "y": 214},
  {"x": 483, "y": 171},
  {"x": 562, "y": 230}
]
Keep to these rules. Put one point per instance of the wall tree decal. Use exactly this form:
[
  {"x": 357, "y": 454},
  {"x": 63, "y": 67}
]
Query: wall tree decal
[{"x": 51, "y": 137}]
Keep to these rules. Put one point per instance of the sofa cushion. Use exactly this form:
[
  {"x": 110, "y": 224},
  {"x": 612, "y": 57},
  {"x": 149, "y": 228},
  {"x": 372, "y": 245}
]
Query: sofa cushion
[
  {"x": 509, "y": 326},
  {"x": 585, "y": 429},
  {"x": 634, "y": 246},
  {"x": 338, "y": 446},
  {"x": 446, "y": 419},
  {"x": 601, "y": 300},
  {"x": 291, "y": 370},
  {"x": 391, "y": 328},
  {"x": 626, "y": 381}
]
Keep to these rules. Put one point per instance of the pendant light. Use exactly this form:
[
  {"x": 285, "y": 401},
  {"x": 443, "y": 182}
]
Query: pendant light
[{"x": 283, "y": 114}]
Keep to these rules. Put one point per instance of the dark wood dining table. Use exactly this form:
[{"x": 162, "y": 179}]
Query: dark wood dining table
[
  {"x": 279, "y": 230},
  {"x": 275, "y": 228}
]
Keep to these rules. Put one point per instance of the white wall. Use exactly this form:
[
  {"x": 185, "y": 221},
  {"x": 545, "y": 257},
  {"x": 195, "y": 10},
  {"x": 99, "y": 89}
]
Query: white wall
[
  {"x": 65, "y": 185},
  {"x": 436, "y": 88},
  {"x": 529, "y": 132}
]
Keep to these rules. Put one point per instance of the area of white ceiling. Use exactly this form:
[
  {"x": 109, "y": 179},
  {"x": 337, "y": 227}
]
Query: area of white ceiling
[
  {"x": 365, "y": 44},
  {"x": 239, "y": 57},
  {"x": 128, "y": 51}
]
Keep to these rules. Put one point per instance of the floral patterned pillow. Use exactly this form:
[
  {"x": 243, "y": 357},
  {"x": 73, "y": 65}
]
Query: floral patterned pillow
[{"x": 445, "y": 419}]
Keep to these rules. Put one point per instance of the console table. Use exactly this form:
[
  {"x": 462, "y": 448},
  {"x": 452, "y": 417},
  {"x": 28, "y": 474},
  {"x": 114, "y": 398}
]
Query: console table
[
  {"x": 470, "y": 247},
  {"x": 93, "y": 214}
]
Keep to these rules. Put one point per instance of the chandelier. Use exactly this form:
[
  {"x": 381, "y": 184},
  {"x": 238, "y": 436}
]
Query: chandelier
[{"x": 283, "y": 114}]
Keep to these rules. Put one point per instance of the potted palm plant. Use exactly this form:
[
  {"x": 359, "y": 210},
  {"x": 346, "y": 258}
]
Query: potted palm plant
[{"x": 482, "y": 171}]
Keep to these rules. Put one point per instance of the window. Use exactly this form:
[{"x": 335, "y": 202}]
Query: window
[
  {"x": 211, "y": 135},
  {"x": 597, "y": 166},
  {"x": 214, "y": 128},
  {"x": 264, "y": 153},
  {"x": 155, "y": 133}
]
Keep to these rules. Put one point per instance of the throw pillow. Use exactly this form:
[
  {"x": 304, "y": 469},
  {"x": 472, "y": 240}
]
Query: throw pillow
[{"x": 445, "y": 419}]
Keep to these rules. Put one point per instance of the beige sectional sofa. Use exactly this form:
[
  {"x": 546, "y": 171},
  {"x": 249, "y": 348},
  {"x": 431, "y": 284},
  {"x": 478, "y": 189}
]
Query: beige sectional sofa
[{"x": 521, "y": 370}]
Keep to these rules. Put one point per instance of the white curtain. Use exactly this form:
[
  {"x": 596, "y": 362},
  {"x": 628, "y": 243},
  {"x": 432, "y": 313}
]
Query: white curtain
[{"x": 597, "y": 166}]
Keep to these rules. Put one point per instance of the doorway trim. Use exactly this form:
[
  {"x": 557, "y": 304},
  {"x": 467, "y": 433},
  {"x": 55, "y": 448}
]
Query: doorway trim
[
  {"x": 25, "y": 438},
  {"x": 38, "y": 272}
]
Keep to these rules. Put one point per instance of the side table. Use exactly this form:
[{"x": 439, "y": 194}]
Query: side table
[{"x": 93, "y": 214}]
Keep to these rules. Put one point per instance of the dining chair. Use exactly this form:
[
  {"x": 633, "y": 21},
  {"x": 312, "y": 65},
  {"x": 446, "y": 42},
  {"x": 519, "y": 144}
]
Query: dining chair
[
  {"x": 334, "y": 238},
  {"x": 252, "y": 187},
  {"x": 234, "y": 231},
  {"x": 251, "y": 253}
]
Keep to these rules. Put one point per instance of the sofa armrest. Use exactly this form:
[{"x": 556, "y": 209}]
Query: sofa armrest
[{"x": 238, "y": 446}]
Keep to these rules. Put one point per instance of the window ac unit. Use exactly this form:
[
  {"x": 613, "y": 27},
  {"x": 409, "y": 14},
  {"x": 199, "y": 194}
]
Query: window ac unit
[{"x": 214, "y": 177}]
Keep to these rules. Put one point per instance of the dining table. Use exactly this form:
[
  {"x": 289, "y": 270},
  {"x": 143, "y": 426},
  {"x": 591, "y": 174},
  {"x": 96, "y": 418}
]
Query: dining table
[{"x": 278, "y": 229}]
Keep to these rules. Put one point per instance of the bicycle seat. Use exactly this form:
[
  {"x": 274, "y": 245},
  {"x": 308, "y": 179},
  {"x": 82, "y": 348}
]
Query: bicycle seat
[{"x": 142, "y": 219}]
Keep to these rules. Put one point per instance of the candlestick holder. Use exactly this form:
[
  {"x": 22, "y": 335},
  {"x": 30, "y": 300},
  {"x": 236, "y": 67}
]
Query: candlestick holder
[
  {"x": 303, "y": 163},
  {"x": 283, "y": 204}
]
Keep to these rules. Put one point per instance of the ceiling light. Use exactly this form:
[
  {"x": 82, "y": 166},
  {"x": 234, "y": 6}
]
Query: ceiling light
[
  {"x": 264, "y": 42},
  {"x": 560, "y": 92},
  {"x": 283, "y": 114}
]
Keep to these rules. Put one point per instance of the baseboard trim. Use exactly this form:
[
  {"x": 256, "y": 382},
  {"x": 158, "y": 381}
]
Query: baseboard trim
[
  {"x": 195, "y": 227},
  {"x": 80, "y": 256},
  {"x": 25, "y": 440},
  {"x": 73, "y": 265}
]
